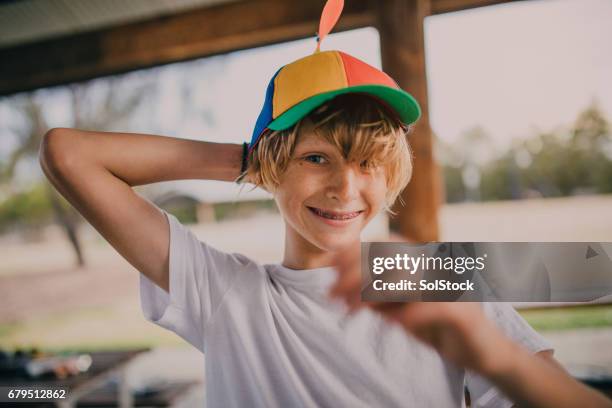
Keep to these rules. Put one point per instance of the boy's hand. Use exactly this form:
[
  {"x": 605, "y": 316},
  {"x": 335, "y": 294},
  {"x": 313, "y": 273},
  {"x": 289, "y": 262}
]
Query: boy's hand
[{"x": 460, "y": 332}]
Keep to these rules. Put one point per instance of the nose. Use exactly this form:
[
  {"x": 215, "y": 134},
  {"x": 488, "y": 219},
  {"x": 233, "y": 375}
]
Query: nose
[{"x": 344, "y": 184}]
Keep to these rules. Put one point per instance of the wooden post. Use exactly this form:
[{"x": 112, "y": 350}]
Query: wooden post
[{"x": 400, "y": 24}]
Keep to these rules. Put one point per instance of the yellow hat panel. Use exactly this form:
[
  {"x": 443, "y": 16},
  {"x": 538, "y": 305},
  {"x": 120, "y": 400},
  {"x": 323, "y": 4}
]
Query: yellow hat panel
[{"x": 306, "y": 77}]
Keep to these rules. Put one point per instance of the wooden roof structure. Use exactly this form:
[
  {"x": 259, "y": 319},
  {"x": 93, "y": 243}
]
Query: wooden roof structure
[{"x": 225, "y": 26}]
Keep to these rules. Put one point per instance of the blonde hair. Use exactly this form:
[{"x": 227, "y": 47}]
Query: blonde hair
[{"x": 360, "y": 126}]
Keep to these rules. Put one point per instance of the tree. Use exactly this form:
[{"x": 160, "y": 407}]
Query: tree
[
  {"x": 99, "y": 104},
  {"x": 575, "y": 160}
]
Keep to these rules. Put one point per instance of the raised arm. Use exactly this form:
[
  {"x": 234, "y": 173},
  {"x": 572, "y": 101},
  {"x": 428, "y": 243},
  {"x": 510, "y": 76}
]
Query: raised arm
[
  {"x": 95, "y": 172},
  {"x": 461, "y": 333}
]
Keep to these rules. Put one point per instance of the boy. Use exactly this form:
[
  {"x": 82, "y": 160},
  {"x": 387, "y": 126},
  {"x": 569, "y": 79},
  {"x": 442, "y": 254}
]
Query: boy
[{"x": 330, "y": 146}]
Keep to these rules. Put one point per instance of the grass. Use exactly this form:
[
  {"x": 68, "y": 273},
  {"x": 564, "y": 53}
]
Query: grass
[
  {"x": 95, "y": 328},
  {"x": 569, "y": 317},
  {"x": 106, "y": 328}
]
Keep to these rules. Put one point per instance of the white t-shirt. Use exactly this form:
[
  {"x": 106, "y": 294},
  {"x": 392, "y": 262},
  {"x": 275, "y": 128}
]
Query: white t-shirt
[{"x": 272, "y": 338}]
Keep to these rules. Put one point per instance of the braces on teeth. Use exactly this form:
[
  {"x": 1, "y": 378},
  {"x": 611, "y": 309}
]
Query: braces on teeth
[{"x": 335, "y": 217}]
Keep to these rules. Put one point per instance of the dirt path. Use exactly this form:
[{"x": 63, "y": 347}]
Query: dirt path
[{"x": 28, "y": 296}]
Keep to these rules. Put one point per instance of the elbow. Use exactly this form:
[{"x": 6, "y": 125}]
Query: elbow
[{"x": 54, "y": 152}]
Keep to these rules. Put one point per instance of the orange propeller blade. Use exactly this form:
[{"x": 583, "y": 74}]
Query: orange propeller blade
[{"x": 329, "y": 18}]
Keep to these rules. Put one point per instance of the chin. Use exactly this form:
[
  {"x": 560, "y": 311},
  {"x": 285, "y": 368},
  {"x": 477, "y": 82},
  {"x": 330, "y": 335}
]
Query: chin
[
  {"x": 331, "y": 238},
  {"x": 334, "y": 242}
]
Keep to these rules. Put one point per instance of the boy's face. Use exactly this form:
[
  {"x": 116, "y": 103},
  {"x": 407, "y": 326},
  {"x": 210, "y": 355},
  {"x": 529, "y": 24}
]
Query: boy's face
[{"x": 325, "y": 200}]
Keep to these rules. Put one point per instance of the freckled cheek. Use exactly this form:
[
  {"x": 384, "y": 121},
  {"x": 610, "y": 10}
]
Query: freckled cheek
[
  {"x": 308, "y": 184},
  {"x": 376, "y": 196},
  {"x": 291, "y": 201}
]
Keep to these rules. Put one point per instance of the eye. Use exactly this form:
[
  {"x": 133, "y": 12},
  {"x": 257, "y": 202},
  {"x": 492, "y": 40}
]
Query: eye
[
  {"x": 315, "y": 158},
  {"x": 366, "y": 165}
]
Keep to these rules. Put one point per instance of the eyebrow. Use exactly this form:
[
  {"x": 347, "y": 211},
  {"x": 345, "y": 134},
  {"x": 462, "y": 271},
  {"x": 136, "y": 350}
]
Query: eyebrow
[
  {"x": 315, "y": 145},
  {"x": 311, "y": 138}
]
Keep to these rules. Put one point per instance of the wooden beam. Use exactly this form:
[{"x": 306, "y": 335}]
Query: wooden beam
[
  {"x": 447, "y": 6},
  {"x": 196, "y": 33},
  {"x": 400, "y": 23}
]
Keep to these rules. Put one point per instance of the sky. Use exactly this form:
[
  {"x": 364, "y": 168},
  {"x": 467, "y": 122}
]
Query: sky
[
  {"x": 513, "y": 69},
  {"x": 520, "y": 67}
]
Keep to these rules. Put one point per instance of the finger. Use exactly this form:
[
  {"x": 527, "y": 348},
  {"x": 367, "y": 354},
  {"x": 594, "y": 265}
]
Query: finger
[
  {"x": 348, "y": 257},
  {"x": 345, "y": 289},
  {"x": 389, "y": 310},
  {"x": 345, "y": 285},
  {"x": 415, "y": 317},
  {"x": 352, "y": 306},
  {"x": 354, "y": 302},
  {"x": 349, "y": 279},
  {"x": 422, "y": 318},
  {"x": 349, "y": 292}
]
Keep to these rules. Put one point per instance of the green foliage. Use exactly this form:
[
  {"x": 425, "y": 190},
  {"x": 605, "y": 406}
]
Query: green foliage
[
  {"x": 186, "y": 215},
  {"x": 184, "y": 210},
  {"x": 225, "y": 211},
  {"x": 569, "y": 317},
  {"x": 455, "y": 190},
  {"x": 500, "y": 179},
  {"x": 30, "y": 208},
  {"x": 546, "y": 165}
]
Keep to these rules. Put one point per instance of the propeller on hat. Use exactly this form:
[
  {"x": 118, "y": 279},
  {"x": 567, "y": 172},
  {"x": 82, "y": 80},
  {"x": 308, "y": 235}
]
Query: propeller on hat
[{"x": 329, "y": 18}]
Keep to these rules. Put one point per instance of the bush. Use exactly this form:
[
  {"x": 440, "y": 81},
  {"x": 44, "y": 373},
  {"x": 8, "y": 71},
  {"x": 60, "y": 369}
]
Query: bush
[{"x": 30, "y": 209}]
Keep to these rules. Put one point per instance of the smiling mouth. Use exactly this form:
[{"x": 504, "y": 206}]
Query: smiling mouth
[{"x": 333, "y": 215}]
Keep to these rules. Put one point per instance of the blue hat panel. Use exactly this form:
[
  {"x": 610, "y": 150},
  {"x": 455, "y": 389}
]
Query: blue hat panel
[{"x": 265, "y": 116}]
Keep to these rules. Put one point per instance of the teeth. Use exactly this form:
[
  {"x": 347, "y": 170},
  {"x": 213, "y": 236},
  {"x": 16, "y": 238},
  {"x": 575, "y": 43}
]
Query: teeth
[{"x": 333, "y": 216}]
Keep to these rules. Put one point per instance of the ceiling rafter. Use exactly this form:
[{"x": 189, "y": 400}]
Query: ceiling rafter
[{"x": 186, "y": 35}]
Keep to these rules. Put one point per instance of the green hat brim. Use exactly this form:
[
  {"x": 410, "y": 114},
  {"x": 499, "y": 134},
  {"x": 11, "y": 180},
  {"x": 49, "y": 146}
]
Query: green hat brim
[{"x": 404, "y": 104}]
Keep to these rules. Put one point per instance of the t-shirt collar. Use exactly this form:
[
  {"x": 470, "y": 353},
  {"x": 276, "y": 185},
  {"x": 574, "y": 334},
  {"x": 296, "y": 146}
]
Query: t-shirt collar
[{"x": 318, "y": 279}]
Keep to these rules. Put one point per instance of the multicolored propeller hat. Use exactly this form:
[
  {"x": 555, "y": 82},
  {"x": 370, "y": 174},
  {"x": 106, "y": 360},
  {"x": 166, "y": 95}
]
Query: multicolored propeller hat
[{"x": 298, "y": 88}]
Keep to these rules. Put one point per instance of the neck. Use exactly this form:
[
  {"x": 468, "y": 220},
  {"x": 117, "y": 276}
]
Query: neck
[{"x": 301, "y": 254}]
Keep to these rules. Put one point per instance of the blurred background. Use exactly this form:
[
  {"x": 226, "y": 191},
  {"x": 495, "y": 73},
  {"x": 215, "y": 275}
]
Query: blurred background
[{"x": 520, "y": 104}]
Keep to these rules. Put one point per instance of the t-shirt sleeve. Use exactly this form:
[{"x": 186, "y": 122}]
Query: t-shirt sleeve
[
  {"x": 199, "y": 277},
  {"x": 482, "y": 393}
]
